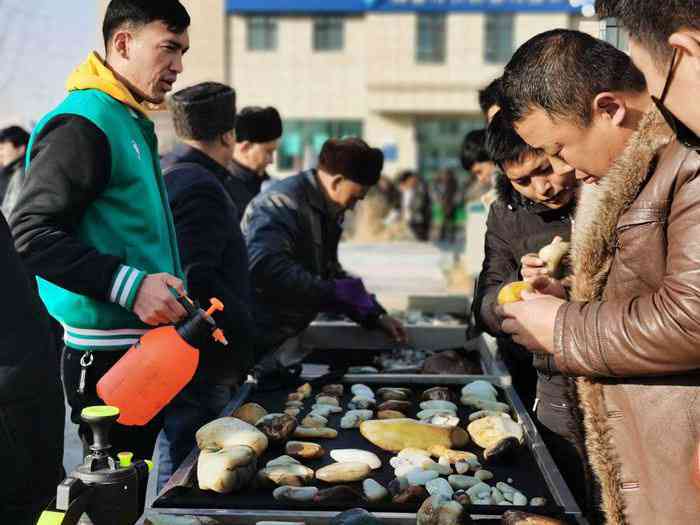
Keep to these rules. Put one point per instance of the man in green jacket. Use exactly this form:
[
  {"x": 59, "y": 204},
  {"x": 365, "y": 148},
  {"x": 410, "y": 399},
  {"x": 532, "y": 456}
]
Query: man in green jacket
[{"x": 92, "y": 221}]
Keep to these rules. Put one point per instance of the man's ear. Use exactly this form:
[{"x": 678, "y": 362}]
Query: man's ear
[
  {"x": 610, "y": 106},
  {"x": 121, "y": 43},
  {"x": 228, "y": 139},
  {"x": 688, "y": 41},
  {"x": 335, "y": 182}
]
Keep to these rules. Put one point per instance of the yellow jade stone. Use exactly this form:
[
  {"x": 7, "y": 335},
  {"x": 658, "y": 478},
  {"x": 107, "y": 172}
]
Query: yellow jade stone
[{"x": 513, "y": 292}]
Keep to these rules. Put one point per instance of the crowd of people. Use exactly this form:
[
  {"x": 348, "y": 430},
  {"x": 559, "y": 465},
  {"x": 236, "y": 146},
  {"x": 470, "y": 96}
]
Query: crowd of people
[{"x": 583, "y": 144}]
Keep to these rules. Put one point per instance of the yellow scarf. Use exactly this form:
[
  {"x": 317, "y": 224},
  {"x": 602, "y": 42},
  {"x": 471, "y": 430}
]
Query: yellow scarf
[{"x": 94, "y": 74}]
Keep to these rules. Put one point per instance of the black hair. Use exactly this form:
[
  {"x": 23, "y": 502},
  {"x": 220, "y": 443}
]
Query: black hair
[
  {"x": 490, "y": 96},
  {"x": 474, "y": 149},
  {"x": 503, "y": 144},
  {"x": 652, "y": 22},
  {"x": 405, "y": 175},
  {"x": 16, "y": 135},
  {"x": 562, "y": 71},
  {"x": 141, "y": 12}
]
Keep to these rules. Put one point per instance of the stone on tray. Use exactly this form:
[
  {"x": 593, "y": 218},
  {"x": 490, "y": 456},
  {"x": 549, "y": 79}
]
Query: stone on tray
[
  {"x": 459, "y": 481},
  {"x": 439, "y": 511},
  {"x": 481, "y": 389},
  {"x": 226, "y": 470},
  {"x": 396, "y": 394},
  {"x": 325, "y": 410},
  {"x": 305, "y": 450},
  {"x": 438, "y": 393},
  {"x": 333, "y": 390},
  {"x": 353, "y": 418},
  {"x": 361, "y": 403},
  {"x": 362, "y": 390},
  {"x": 294, "y": 494},
  {"x": 396, "y": 434},
  {"x": 374, "y": 491},
  {"x": 315, "y": 433},
  {"x": 294, "y": 412},
  {"x": 444, "y": 406},
  {"x": 343, "y": 472},
  {"x": 390, "y": 414},
  {"x": 277, "y": 427},
  {"x": 250, "y": 413},
  {"x": 227, "y": 432},
  {"x": 418, "y": 476},
  {"x": 314, "y": 421},
  {"x": 479, "y": 491},
  {"x": 323, "y": 399},
  {"x": 356, "y": 455},
  {"x": 293, "y": 475},
  {"x": 339, "y": 494},
  {"x": 398, "y": 406},
  {"x": 483, "y": 475},
  {"x": 443, "y": 420},
  {"x": 282, "y": 460},
  {"x": 439, "y": 487},
  {"x": 305, "y": 390},
  {"x": 412, "y": 494}
]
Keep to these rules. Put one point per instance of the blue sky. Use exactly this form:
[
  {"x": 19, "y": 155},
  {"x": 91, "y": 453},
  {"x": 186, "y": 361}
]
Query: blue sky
[{"x": 40, "y": 43}]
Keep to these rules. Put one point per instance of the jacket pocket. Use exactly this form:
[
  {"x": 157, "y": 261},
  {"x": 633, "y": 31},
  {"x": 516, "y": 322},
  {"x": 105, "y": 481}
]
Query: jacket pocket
[{"x": 640, "y": 246}]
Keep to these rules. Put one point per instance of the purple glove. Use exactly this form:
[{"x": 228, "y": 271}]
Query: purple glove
[{"x": 352, "y": 298}]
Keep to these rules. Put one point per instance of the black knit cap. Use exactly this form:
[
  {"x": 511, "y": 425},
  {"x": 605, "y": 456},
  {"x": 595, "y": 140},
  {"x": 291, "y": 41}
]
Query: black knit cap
[
  {"x": 353, "y": 158},
  {"x": 203, "y": 111},
  {"x": 255, "y": 124}
]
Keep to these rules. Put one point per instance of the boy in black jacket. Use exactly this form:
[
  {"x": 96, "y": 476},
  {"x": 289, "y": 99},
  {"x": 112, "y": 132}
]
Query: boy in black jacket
[
  {"x": 535, "y": 204},
  {"x": 214, "y": 258}
]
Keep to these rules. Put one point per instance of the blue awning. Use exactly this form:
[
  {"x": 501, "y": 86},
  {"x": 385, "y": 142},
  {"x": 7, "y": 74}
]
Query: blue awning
[{"x": 361, "y": 6}]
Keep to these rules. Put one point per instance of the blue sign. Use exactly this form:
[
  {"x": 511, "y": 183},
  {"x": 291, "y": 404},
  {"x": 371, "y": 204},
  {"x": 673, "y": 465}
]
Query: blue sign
[{"x": 361, "y": 6}]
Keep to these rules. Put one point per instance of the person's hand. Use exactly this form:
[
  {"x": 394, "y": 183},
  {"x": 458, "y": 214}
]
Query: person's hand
[
  {"x": 530, "y": 322},
  {"x": 549, "y": 286},
  {"x": 532, "y": 267},
  {"x": 155, "y": 304},
  {"x": 393, "y": 328}
]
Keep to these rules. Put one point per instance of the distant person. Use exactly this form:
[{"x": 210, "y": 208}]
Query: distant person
[
  {"x": 13, "y": 146},
  {"x": 214, "y": 255},
  {"x": 292, "y": 232},
  {"x": 476, "y": 160},
  {"x": 416, "y": 204},
  {"x": 92, "y": 220},
  {"x": 447, "y": 193},
  {"x": 489, "y": 99},
  {"x": 258, "y": 132},
  {"x": 31, "y": 400}
]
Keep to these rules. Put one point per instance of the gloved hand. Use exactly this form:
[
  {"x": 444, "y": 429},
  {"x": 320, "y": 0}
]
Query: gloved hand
[{"x": 352, "y": 298}]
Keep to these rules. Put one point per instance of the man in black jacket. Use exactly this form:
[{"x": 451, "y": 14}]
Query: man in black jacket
[
  {"x": 258, "y": 131},
  {"x": 292, "y": 231},
  {"x": 214, "y": 258},
  {"x": 535, "y": 204},
  {"x": 31, "y": 399}
]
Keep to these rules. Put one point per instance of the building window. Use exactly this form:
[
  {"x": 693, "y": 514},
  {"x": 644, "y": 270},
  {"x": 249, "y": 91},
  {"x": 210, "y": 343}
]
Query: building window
[
  {"x": 303, "y": 139},
  {"x": 328, "y": 33},
  {"x": 498, "y": 37},
  {"x": 430, "y": 37},
  {"x": 262, "y": 33}
]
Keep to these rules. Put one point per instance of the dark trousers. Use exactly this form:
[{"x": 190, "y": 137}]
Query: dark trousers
[
  {"x": 31, "y": 455},
  {"x": 198, "y": 404},
  {"x": 137, "y": 439}
]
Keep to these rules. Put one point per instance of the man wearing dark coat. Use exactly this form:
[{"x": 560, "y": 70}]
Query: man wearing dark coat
[
  {"x": 292, "y": 231},
  {"x": 258, "y": 131},
  {"x": 214, "y": 258}
]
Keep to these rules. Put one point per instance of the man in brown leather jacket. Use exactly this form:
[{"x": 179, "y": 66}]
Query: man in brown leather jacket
[
  {"x": 631, "y": 329},
  {"x": 665, "y": 46}
]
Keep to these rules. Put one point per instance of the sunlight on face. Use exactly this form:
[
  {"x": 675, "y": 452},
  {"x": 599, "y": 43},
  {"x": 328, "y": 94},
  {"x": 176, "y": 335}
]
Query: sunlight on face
[
  {"x": 535, "y": 179},
  {"x": 155, "y": 60}
]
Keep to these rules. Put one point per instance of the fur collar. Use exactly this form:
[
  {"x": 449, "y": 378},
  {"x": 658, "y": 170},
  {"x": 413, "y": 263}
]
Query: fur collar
[
  {"x": 599, "y": 210},
  {"x": 601, "y": 206}
]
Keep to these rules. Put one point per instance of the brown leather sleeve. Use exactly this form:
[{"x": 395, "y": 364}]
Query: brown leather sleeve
[{"x": 652, "y": 334}]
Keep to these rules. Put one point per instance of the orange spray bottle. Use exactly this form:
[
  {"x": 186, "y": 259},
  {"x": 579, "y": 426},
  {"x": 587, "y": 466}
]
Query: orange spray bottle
[{"x": 159, "y": 366}]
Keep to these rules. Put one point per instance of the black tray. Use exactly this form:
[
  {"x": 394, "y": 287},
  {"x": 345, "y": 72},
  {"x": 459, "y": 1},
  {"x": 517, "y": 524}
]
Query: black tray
[{"x": 521, "y": 467}]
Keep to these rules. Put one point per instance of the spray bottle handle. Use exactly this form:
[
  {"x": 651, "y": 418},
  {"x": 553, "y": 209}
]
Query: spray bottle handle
[
  {"x": 218, "y": 334},
  {"x": 188, "y": 304}
]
